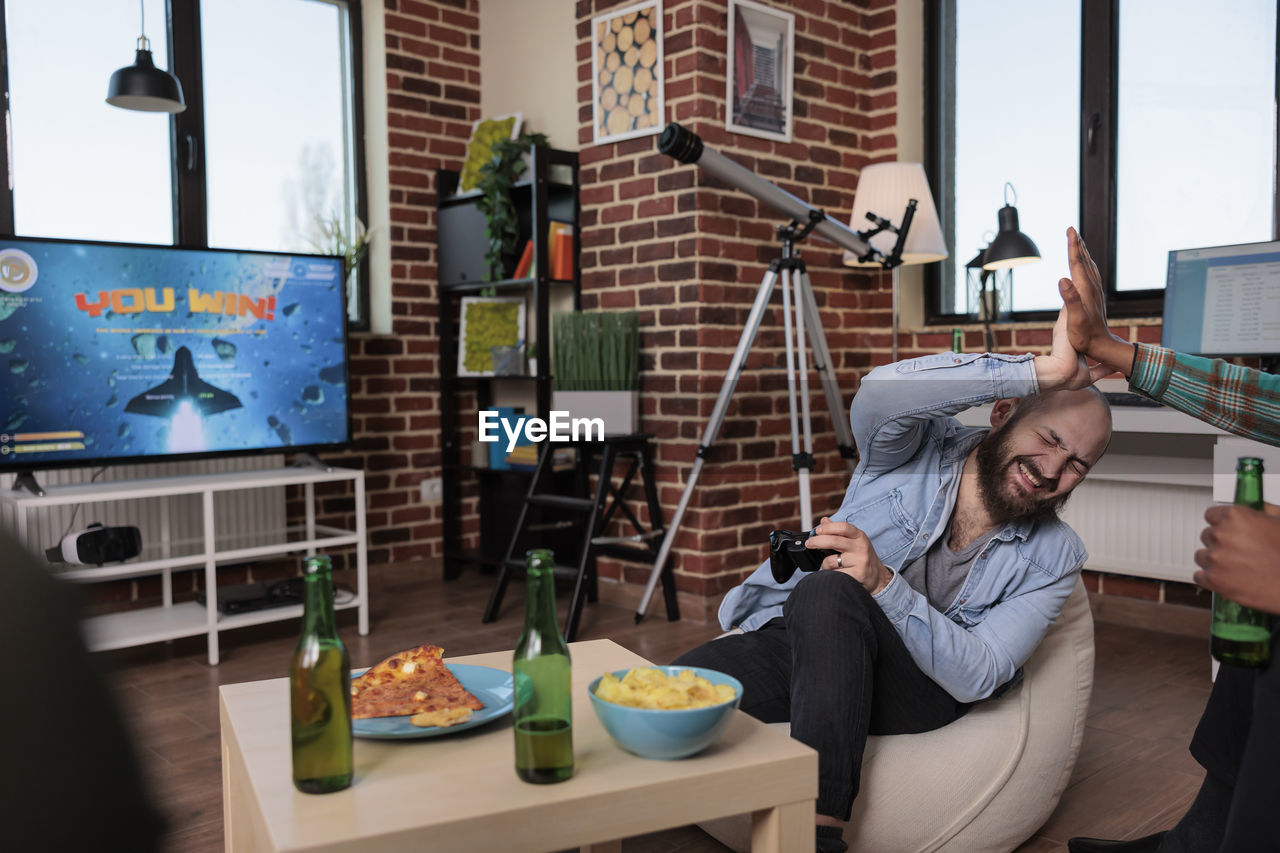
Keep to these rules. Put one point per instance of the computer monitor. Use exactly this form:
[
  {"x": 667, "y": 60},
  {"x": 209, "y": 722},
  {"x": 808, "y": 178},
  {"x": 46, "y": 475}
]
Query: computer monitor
[{"x": 1223, "y": 300}]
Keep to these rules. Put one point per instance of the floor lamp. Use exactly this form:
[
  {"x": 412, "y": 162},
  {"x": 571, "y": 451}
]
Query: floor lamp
[{"x": 889, "y": 186}]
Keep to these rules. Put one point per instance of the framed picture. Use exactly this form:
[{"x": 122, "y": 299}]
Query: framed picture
[
  {"x": 626, "y": 89},
  {"x": 487, "y": 322},
  {"x": 484, "y": 133},
  {"x": 762, "y": 48}
]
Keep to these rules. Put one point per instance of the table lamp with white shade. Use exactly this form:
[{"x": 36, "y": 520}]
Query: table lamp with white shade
[{"x": 887, "y": 187}]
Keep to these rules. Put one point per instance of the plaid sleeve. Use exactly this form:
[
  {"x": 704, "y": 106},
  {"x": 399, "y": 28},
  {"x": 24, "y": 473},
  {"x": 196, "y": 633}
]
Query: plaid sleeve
[{"x": 1237, "y": 399}]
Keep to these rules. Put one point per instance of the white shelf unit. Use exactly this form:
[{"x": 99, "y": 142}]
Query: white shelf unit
[{"x": 170, "y": 621}]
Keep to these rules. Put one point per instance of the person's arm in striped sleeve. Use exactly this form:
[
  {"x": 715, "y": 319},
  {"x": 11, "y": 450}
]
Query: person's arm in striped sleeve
[{"x": 1240, "y": 400}]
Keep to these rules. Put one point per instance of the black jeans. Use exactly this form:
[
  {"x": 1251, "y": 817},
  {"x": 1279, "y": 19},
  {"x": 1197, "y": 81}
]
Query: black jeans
[
  {"x": 1238, "y": 743},
  {"x": 834, "y": 666}
]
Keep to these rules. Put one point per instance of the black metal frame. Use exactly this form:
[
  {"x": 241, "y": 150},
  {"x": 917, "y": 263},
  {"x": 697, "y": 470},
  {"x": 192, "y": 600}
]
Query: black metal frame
[
  {"x": 453, "y": 467},
  {"x": 186, "y": 133},
  {"x": 1099, "y": 54}
]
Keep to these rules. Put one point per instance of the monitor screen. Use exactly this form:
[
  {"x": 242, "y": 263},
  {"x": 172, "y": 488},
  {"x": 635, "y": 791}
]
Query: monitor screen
[
  {"x": 1223, "y": 300},
  {"x": 115, "y": 352}
]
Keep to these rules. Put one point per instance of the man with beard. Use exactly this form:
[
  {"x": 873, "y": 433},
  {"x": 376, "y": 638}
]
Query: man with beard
[{"x": 950, "y": 563}]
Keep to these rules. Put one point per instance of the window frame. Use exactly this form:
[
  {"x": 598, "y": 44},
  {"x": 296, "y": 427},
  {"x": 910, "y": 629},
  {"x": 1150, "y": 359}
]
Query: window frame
[
  {"x": 1099, "y": 102},
  {"x": 187, "y": 139}
]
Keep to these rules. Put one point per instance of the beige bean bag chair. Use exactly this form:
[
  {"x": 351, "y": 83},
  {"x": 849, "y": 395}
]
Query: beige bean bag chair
[{"x": 989, "y": 780}]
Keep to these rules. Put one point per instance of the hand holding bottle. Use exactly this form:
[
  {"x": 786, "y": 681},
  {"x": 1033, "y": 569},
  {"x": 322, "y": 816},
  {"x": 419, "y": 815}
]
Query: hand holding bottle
[{"x": 1238, "y": 559}]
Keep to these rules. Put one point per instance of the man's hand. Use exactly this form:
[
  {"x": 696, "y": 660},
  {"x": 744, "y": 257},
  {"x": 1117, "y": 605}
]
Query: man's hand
[
  {"x": 856, "y": 557},
  {"x": 1063, "y": 367},
  {"x": 1085, "y": 303},
  {"x": 1239, "y": 557}
]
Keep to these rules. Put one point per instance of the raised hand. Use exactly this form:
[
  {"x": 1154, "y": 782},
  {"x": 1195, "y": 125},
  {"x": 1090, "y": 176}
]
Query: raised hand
[
  {"x": 1064, "y": 367},
  {"x": 856, "y": 557},
  {"x": 1085, "y": 304}
]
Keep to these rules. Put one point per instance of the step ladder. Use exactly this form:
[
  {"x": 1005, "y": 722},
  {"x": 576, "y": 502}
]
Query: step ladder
[{"x": 596, "y": 511}]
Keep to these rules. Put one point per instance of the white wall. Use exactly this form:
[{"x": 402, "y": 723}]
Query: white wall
[{"x": 528, "y": 65}]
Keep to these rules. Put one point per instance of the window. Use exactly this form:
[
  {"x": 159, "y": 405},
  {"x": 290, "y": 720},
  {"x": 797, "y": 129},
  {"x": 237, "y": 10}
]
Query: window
[
  {"x": 1147, "y": 124},
  {"x": 267, "y": 149}
]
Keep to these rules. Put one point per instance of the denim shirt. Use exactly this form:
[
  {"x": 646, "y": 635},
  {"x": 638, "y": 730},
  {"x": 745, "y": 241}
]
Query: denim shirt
[{"x": 902, "y": 494}]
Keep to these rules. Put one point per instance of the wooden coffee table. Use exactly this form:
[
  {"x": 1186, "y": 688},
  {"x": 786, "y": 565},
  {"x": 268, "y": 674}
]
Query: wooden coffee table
[{"x": 460, "y": 792}]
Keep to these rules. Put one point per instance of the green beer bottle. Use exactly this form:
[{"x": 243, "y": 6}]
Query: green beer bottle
[
  {"x": 544, "y": 695},
  {"x": 957, "y": 340},
  {"x": 320, "y": 690},
  {"x": 1241, "y": 635}
]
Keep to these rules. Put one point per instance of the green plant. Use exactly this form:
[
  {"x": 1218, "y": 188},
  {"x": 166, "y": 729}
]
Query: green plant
[
  {"x": 496, "y": 178},
  {"x": 332, "y": 239},
  {"x": 597, "y": 352}
]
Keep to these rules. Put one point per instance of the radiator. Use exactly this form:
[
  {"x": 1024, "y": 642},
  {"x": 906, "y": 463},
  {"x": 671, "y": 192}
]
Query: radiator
[
  {"x": 1141, "y": 529},
  {"x": 252, "y": 513}
]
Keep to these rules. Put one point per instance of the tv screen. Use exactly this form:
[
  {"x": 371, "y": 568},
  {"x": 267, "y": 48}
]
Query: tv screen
[
  {"x": 113, "y": 353},
  {"x": 1223, "y": 300}
]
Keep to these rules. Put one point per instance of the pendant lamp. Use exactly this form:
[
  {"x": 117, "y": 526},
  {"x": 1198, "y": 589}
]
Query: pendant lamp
[{"x": 142, "y": 86}]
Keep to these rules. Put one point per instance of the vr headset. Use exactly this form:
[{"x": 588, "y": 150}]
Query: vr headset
[
  {"x": 96, "y": 545},
  {"x": 787, "y": 553}
]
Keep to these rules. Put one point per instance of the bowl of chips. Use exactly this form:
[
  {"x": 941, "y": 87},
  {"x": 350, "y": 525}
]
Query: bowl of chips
[{"x": 665, "y": 712}]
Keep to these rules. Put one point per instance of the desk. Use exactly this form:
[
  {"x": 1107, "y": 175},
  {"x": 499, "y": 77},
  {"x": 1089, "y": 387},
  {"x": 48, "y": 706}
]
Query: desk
[
  {"x": 460, "y": 792},
  {"x": 1140, "y": 511}
]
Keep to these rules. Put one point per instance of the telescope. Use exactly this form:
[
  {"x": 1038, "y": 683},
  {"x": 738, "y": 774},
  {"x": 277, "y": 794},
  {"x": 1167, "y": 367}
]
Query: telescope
[{"x": 687, "y": 147}]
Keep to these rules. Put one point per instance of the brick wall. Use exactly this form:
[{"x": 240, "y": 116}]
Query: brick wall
[
  {"x": 433, "y": 96},
  {"x": 689, "y": 253}
]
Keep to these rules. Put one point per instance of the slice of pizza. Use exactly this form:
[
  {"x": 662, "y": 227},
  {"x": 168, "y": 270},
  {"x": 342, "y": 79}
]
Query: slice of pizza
[{"x": 410, "y": 682}]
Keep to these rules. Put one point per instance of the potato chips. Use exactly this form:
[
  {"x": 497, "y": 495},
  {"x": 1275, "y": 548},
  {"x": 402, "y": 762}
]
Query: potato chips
[{"x": 646, "y": 687}]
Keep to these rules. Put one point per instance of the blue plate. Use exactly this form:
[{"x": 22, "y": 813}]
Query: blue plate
[{"x": 491, "y": 686}]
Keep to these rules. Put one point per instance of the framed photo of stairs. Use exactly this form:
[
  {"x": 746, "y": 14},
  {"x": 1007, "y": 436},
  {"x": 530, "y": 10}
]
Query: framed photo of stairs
[{"x": 761, "y": 46}]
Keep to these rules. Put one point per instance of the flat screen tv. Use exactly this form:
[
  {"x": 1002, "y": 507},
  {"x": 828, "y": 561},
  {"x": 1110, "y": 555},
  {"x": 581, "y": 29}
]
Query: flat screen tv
[{"x": 115, "y": 353}]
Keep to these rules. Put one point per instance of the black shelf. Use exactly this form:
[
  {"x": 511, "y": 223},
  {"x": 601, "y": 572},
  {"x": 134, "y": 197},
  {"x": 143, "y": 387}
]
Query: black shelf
[
  {"x": 539, "y": 200},
  {"x": 504, "y": 284}
]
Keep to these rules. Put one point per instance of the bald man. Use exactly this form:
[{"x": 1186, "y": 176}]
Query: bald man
[{"x": 950, "y": 561}]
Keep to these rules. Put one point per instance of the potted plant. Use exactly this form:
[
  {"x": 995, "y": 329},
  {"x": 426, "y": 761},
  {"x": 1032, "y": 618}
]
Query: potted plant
[
  {"x": 496, "y": 177},
  {"x": 332, "y": 238},
  {"x": 595, "y": 360}
]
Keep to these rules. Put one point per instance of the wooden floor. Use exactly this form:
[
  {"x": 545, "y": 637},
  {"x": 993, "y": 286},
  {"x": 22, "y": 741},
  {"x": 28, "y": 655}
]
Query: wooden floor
[{"x": 1134, "y": 775}]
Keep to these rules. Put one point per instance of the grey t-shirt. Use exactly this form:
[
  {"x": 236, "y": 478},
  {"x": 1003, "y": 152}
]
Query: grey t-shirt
[{"x": 938, "y": 573}]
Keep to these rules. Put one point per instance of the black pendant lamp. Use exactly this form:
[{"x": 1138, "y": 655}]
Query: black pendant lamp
[
  {"x": 1011, "y": 247},
  {"x": 143, "y": 86}
]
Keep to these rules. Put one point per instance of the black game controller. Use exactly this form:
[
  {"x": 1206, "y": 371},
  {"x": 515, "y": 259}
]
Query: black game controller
[{"x": 787, "y": 553}]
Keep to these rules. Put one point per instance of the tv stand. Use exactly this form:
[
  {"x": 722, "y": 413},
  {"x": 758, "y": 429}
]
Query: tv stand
[
  {"x": 27, "y": 480},
  {"x": 161, "y": 555}
]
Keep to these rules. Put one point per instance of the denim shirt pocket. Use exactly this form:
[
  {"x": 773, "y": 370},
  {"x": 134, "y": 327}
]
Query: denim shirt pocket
[{"x": 892, "y": 530}]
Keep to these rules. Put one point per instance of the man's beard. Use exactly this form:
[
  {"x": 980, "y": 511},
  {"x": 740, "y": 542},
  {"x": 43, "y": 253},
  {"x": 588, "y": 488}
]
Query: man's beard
[{"x": 994, "y": 461}]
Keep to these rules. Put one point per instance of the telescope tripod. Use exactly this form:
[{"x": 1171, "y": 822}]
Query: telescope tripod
[{"x": 795, "y": 287}]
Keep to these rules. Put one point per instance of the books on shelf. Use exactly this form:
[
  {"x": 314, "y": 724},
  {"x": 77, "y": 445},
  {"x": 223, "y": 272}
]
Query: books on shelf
[
  {"x": 525, "y": 265},
  {"x": 559, "y": 248},
  {"x": 560, "y": 251}
]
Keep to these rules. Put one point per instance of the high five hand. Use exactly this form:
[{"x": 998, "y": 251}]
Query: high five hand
[
  {"x": 1063, "y": 367},
  {"x": 855, "y": 556}
]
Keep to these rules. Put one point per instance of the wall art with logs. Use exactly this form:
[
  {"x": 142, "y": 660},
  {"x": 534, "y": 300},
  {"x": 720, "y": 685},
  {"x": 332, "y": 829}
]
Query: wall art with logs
[{"x": 626, "y": 50}]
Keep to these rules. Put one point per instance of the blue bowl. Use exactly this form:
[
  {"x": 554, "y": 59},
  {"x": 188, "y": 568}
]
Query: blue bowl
[{"x": 664, "y": 734}]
